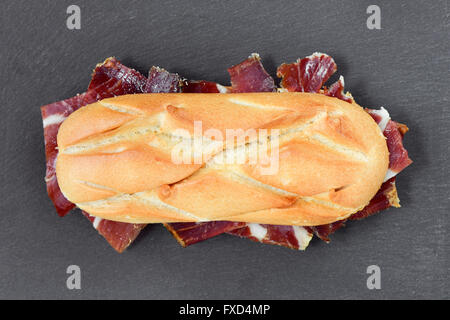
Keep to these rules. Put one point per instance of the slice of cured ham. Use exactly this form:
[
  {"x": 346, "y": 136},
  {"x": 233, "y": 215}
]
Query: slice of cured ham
[
  {"x": 398, "y": 156},
  {"x": 204, "y": 87},
  {"x": 52, "y": 116},
  {"x": 394, "y": 132},
  {"x": 293, "y": 237},
  {"x": 188, "y": 233},
  {"x": 111, "y": 78},
  {"x": 115, "y": 75},
  {"x": 324, "y": 231},
  {"x": 250, "y": 76},
  {"x": 118, "y": 234},
  {"x": 337, "y": 90},
  {"x": 386, "y": 197},
  {"x": 161, "y": 81},
  {"x": 308, "y": 74}
]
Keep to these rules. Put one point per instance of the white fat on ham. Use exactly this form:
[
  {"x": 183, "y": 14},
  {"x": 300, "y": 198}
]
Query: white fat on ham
[
  {"x": 96, "y": 222},
  {"x": 260, "y": 232},
  {"x": 389, "y": 174},
  {"x": 257, "y": 231},
  {"x": 385, "y": 118},
  {"x": 221, "y": 88},
  {"x": 384, "y": 115},
  {"x": 53, "y": 119},
  {"x": 303, "y": 237}
]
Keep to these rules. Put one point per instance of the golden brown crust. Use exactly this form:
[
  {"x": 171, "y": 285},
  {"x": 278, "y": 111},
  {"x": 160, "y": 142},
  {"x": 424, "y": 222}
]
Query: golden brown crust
[{"x": 116, "y": 162}]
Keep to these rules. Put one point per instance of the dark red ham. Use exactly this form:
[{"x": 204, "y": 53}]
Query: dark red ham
[
  {"x": 129, "y": 80},
  {"x": 250, "y": 76},
  {"x": 161, "y": 81},
  {"x": 394, "y": 133},
  {"x": 188, "y": 233},
  {"x": 53, "y": 115},
  {"x": 337, "y": 90},
  {"x": 386, "y": 197},
  {"x": 118, "y": 234},
  {"x": 308, "y": 74},
  {"x": 323, "y": 232},
  {"x": 398, "y": 156},
  {"x": 293, "y": 237},
  {"x": 203, "y": 87}
]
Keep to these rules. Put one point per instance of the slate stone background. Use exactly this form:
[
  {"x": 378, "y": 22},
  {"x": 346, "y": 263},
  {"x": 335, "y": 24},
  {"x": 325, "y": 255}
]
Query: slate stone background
[{"x": 403, "y": 67}]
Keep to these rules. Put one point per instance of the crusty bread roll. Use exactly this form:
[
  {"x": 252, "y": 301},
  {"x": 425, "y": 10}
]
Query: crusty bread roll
[{"x": 116, "y": 158}]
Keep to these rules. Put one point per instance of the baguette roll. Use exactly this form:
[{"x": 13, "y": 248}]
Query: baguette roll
[{"x": 324, "y": 158}]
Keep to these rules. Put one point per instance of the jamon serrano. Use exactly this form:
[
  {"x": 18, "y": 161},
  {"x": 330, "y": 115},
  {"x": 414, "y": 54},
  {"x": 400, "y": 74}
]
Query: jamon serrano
[
  {"x": 398, "y": 156},
  {"x": 112, "y": 74},
  {"x": 394, "y": 132},
  {"x": 204, "y": 87},
  {"x": 188, "y": 233},
  {"x": 250, "y": 76},
  {"x": 386, "y": 197},
  {"x": 337, "y": 90},
  {"x": 52, "y": 116},
  {"x": 161, "y": 81},
  {"x": 324, "y": 231},
  {"x": 118, "y": 234},
  {"x": 293, "y": 237},
  {"x": 306, "y": 75}
]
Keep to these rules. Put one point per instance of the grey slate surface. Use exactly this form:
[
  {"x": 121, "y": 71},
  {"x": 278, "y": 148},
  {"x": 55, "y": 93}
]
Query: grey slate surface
[{"x": 403, "y": 67}]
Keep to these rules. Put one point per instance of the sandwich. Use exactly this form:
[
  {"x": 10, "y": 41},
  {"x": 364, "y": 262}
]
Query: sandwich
[{"x": 274, "y": 164}]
